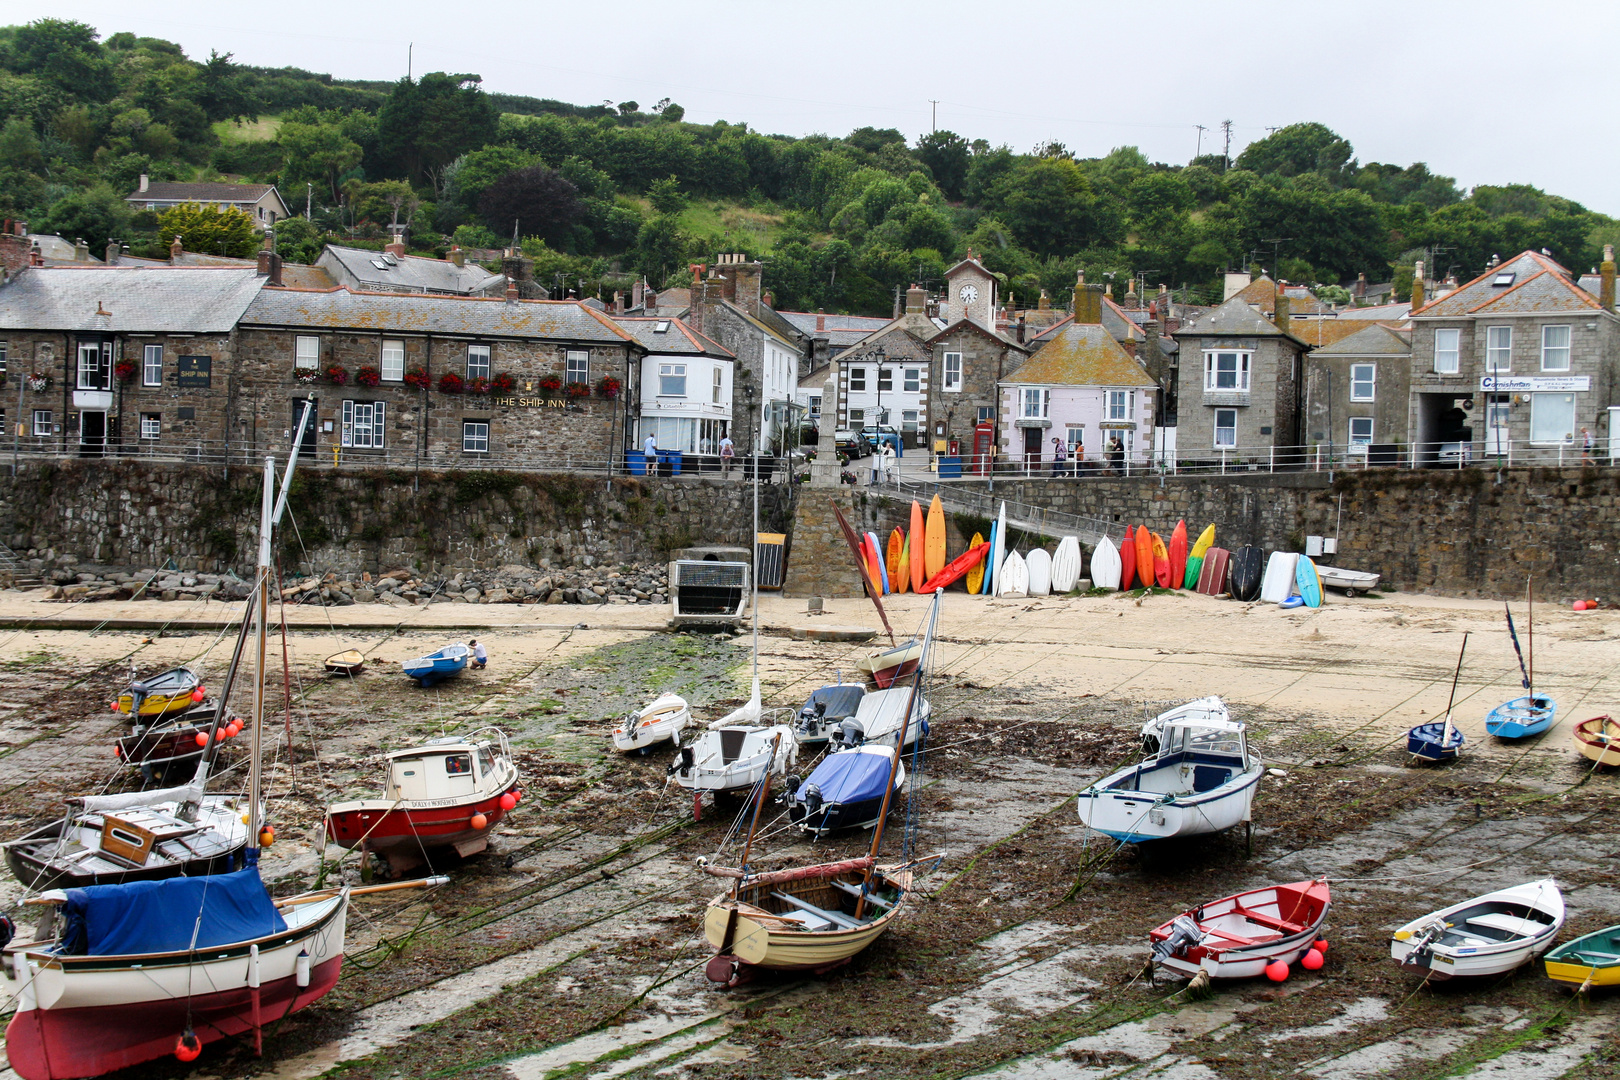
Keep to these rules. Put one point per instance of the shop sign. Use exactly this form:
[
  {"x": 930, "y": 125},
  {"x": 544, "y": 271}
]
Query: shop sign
[
  {"x": 194, "y": 372},
  {"x": 1533, "y": 384},
  {"x": 530, "y": 402}
]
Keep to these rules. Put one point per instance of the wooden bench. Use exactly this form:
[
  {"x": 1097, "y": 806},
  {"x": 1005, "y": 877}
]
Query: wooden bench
[
  {"x": 837, "y": 918},
  {"x": 855, "y": 891},
  {"x": 1270, "y": 922}
]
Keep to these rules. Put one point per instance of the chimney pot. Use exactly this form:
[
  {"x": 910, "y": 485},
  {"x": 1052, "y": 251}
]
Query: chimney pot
[
  {"x": 145, "y": 182},
  {"x": 1417, "y": 284},
  {"x": 512, "y": 291},
  {"x": 1606, "y": 290},
  {"x": 395, "y": 247},
  {"x": 1281, "y": 315},
  {"x": 821, "y": 320},
  {"x": 176, "y": 249}
]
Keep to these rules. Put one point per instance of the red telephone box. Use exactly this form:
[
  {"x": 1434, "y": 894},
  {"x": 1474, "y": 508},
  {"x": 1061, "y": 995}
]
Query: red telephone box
[{"x": 984, "y": 433}]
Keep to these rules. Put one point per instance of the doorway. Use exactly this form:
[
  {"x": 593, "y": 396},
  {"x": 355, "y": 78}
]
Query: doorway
[
  {"x": 306, "y": 447},
  {"x": 92, "y": 434},
  {"x": 1032, "y": 447}
]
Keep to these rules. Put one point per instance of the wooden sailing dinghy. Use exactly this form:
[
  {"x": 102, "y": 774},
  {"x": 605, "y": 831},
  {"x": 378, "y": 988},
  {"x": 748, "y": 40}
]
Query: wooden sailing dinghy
[
  {"x": 1236, "y": 937},
  {"x": 170, "y": 746},
  {"x": 350, "y": 662},
  {"x": 1487, "y": 935},
  {"x": 1592, "y": 960},
  {"x": 1599, "y": 740},
  {"x": 167, "y": 692}
]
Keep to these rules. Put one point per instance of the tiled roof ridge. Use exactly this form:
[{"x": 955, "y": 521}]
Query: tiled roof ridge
[{"x": 1546, "y": 263}]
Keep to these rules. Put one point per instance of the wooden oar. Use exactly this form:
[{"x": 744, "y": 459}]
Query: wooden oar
[{"x": 365, "y": 890}]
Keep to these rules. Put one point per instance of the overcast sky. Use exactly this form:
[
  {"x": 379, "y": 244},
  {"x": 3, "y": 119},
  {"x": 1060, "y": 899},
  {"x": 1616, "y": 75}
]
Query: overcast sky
[{"x": 1487, "y": 91}]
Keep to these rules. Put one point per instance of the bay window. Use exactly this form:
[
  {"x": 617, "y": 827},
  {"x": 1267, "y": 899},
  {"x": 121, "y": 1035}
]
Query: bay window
[{"x": 1227, "y": 370}]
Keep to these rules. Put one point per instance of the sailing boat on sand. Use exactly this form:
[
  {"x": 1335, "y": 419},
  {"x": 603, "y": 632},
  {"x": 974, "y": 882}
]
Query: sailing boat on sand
[
  {"x": 1439, "y": 740},
  {"x": 1533, "y": 713}
]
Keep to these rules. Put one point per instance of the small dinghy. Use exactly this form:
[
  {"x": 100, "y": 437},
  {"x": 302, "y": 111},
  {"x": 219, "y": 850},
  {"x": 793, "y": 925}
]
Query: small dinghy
[
  {"x": 1351, "y": 582},
  {"x": 1012, "y": 579},
  {"x": 1593, "y": 960},
  {"x": 878, "y": 718},
  {"x": 1105, "y": 565},
  {"x": 733, "y": 759},
  {"x": 1201, "y": 779},
  {"x": 1237, "y": 937},
  {"x": 891, "y": 664},
  {"x": 1533, "y": 713},
  {"x": 1066, "y": 565},
  {"x": 1039, "y": 567},
  {"x": 826, "y": 709},
  {"x": 1599, "y": 740},
  {"x": 1487, "y": 935},
  {"x": 1439, "y": 740},
  {"x": 168, "y": 692},
  {"x": 1245, "y": 573},
  {"x": 845, "y": 791},
  {"x": 1212, "y": 572},
  {"x": 665, "y": 718},
  {"x": 447, "y": 793},
  {"x": 1278, "y": 583},
  {"x": 437, "y": 666},
  {"x": 349, "y": 662}
]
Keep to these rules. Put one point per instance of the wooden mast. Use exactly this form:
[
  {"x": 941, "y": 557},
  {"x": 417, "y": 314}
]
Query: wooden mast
[{"x": 1445, "y": 733}]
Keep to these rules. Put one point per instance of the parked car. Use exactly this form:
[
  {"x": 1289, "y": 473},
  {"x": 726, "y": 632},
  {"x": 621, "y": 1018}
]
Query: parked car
[
  {"x": 878, "y": 435},
  {"x": 854, "y": 444}
]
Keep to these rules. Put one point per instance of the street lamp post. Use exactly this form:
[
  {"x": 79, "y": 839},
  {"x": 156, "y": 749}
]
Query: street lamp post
[{"x": 878, "y": 355}]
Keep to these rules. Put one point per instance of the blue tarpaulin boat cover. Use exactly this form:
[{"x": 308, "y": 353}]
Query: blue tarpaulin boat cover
[
  {"x": 849, "y": 777},
  {"x": 162, "y": 916}
]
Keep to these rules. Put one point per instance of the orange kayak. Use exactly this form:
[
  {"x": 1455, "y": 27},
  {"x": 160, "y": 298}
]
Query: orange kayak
[
  {"x": 896, "y": 549},
  {"x": 1144, "y": 556},
  {"x": 917, "y": 535},
  {"x": 1178, "y": 555},
  {"x": 956, "y": 569},
  {"x": 1161, "y": 562},
  {"x": 1127, "y": 559}
]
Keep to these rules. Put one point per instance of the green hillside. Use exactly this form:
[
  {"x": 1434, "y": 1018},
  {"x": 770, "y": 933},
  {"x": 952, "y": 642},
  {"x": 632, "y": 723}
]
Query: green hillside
[{"x": 603, "y": 195}]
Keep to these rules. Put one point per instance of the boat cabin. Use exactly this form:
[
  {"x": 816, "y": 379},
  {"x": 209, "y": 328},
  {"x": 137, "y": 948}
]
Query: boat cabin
[
  {"x": 448, "y": 768},
  {"x": 1196, "y": 754}
]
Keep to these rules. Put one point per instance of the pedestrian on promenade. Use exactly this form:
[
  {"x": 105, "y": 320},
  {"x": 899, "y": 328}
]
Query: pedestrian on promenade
[{"x": 1060, "y": 457}]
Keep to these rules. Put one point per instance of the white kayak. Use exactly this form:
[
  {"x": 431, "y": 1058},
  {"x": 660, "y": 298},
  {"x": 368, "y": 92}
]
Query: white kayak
[
  {"x": 1487, "y": 935},
  {"x": 1278, "y": 584},
  {"x": 1013, "y": 577},
  {"x": 1105, "y": 565},
  {"x": 1066, "y": 565},
  {"x": 1039, "y": 568}
]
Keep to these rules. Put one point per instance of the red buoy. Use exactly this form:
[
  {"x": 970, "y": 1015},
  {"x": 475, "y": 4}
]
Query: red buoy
[
  {"x": 508, "y": 801},
  {"x": 188, "y": 1046},
  {"x": 479, "y": 821},
  {"x": 1276, "y": 971},
  {"x": 1579, "y": 605},
  {"x": 197, "y": 694},
  {"x": 115, "y": 707},
  {"x": 1312, "y": 960},
  {"x": 202, "y": 738},
  {"x": 1320, "y": 944},
  {"x": 232, "y": 729}
]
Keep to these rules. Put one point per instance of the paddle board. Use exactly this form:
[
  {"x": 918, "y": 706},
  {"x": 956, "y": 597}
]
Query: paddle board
[
  {"x": 1161, "y": 562},
  {"x": 1212, "y": 578},
  {"x": 975, "y": 574},
  {"x": 934, "y": 553},
  {"x": 1178, "y": 556},
  {"x": 1013, "y": 580},
  {"x": 1292, "y": 602},
  {"x": 1279, "y": 579},
  {"x": 894, "y": 553},
  {"x": 1066, "y": 565},
  {"x": 917, "y": 535},
  {"x": 957, "y": 568},
  {"x": 903, "y": 571},
  {"x": 1127, "y": 560},
  {"x": 1144, "y": 557},
  {"x": 1195, "y": 557},
  {"x": 998, "y": 550},
  {"x": 987, "y": 587},
  {"x": 874, "y": 559},
  {"x": 1310, "y": 585},
  {"x": 1039, "y": 568},
  {"x": 1244, "y": 572},
  {"x": 1105, "y": 565}
]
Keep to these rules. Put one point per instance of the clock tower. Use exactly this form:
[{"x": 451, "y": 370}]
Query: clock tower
[{"x": 970, "y": 293}]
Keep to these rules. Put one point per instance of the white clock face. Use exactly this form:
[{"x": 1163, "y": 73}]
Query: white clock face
[{"x": 970, "y": 293}]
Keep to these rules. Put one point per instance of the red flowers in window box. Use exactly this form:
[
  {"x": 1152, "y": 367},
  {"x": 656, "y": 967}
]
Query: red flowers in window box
[
  {"x": 125, "y": 370},
  {"x": 503, "y": 382},
  {"x": 368, "y": 376},
  {"x": 478, "y": 385},
  {"x": 337, "y": 375},
  {"x": 609, "y": 387},
  {"x": 578, "y": 390},
  {"x": 549, "y": 384},
  {"x": 451, "y": 383},
  {"x": 418, "y": 378}
]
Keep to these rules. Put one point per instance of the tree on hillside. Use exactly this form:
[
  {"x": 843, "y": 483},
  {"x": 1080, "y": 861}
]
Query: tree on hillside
[
  {"x": 210, "y": 230},
  {"x": 947, "y": 156},
  {"x": 1300, "y": 148},
  {"x": 661, "y": 248},
  {"x": 94, "y": 215},
  {"x": 223, "y": 93},
  {"x": 65, "y": 54},
  {"x": 425, "y": 125},
  {"x": 1052, "y": 208},
  {"x": 316, "y": 150},
  {"x": 535, "y": 200}
]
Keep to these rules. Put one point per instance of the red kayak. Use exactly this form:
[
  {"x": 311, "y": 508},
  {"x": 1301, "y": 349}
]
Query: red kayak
[
  {"x": 956, "y": 569},
  {"x": 1212, "y": 579},
  {"x": 1178, "y": 555},
  {"x": 1127, "y": 560}
]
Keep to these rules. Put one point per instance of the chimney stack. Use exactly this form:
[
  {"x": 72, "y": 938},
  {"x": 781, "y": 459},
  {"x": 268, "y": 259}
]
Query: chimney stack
[
  {"x": 1044, "y": 303},
  {"x": 458, "y": 256},
  {"x": 1606, "y": 290},
  {"x": 1417, "y": 285},
  {"x": 113, "y": 251},
  {"x": 511, "y": 291},
  {"x": 81, "y": 251},
  {"x": 274, "y": 277},
  {"x": 1360, "y": 291},
  {"x": 649, "y": 300},
  {"x": 264, "y": 262},
  {"x": 145, "y": 182},
  {"x": 916, "y": 300},
  {"x": 395, "y": 247},
  {"x": 638, "y": 292},
  {"x": 1087, "y": 304},
  {"x": 1023, "y": 324},
  {"x": 176, "y": 249},
  {"x": 821, "y": 321},
  {"x": 618, "y": 302},
  {"x": 1281, "y": 316}
]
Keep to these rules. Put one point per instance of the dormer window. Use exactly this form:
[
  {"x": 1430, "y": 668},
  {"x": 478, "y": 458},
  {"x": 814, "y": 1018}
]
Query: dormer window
[{"x": 1504, "y": 278}]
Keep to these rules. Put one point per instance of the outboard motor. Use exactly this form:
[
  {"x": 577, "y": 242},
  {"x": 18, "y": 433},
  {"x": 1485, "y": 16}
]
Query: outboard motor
[
  {"x": 790, "y": 789},
  {"x": 683, "y": 762},
  {"x": 850, "y": 734},
  {"x": 810, "y": 719}
]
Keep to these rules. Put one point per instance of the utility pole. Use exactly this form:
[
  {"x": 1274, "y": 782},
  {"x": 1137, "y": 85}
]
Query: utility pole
[
  {"x": 934, "y": 123},
  {"x": 309, "y": 198},
  {"x": 1200, "y": 146},
  {"x": 410, "y": 49},
  {"x": 1226, "y": 152}
]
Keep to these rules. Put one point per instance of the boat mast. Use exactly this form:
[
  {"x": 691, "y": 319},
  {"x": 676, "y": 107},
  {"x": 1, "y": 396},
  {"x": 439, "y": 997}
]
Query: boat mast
[
  {"x": 759, "y": 803},
  {"x": 1530, "y": 645},
  {"x": 262, "y": 598},
  {"x": 1445, "y": 733},
  {"x": 894, "y": 762}
]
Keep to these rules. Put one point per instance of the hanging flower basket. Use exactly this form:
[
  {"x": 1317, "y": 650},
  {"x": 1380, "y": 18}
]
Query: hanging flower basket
[
  {"x": 368, "y": 376},
  {"x": 418, "y": 378},
  {"x": 577, "y": 390},
  {"x": 503, "y": 382},
  {"x": 306, "y": 374},
  {"x": 609, "y": 387},
  {"x": 549, "y": 384},
  {"x": 451, "y": 383},
  {"x": 479, "y": 385},
  {"x": 125, "y": 370},
  {"x": 337, "y": 375},
  {"x": 39, "y": 382}
]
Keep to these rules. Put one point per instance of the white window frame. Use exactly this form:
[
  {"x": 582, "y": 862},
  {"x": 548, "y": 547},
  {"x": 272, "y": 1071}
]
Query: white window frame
[
  {"x": 671, "y": 373},
  {"x": 720, "y": 384},
  {"x": 1550, "y": 353},
  {"x": 1034, "y": 402},
  {"x": 152, "y": 365},
  {"x": 1371, "y": 382},
  {"x": 3, "y": 346},
  {"x": 1567, "y": 437},
  {"x": 475, "y": 436},
  {"x": 577, "y": 366},
  {"x": 1358, "y": 443},
  {"x": 909, "y": 419},
  {"x": 952, "y": 381},
  {"x": 391, "y": 360},
  {"x": 479, "y": 360},
  {"x": 1121, "y": 405},
  {"x": 1498, "y": 349},
  {"x": 1074, "y": 435},
  {"x": 151, "y": 425},
  {"x": 857, "y": 419},
  {"x": 1447, "y": 350},
  {"x": 1242, "y": 364},
  {"x": 1232, "y": 427},
  {"x": 885, "y": 383},
  {"x": 814, "y": 406},
  {"x": 911, "y": 381},
  {"x": 42, "y": 425},
  {"x": 857, "y": 380},
  {"x": 367, "y": 433},
  {"x": 307, "y": 352},
  {"x": 98, "y": 375}
]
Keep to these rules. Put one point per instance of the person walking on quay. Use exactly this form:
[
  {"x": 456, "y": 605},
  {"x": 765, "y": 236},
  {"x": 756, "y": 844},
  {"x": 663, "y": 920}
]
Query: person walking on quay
[
  {"x": 1060, "y": 457},
  {"x": 1588, "y": 444},
  {"x": 887, "y": 455},
  {"x": 728, "y": 453},
  {"x": 1116, "y": 456}
]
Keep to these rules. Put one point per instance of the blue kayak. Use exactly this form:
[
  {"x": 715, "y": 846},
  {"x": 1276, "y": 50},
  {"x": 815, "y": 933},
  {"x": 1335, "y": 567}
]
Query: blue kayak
[
  {"x": 845, "y": 790},
  {"x": 1428, "y": 741},
  {"x": 436, "y": 666},
  {"x": 1522, "y": 717}
]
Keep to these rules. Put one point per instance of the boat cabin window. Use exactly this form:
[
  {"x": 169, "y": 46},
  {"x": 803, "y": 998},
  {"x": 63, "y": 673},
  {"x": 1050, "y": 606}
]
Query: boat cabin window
[
  {"x": 435, "y": 776},
  {"x": 457, "y": 764},
  {"x": 1210, "y": 741},
  {"x": 486, "y": 761}
]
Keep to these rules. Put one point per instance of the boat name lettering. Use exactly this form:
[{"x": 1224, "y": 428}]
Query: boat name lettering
[
  {"x": 1520, "y": 384},
  {"x": 529, "y": 402}
]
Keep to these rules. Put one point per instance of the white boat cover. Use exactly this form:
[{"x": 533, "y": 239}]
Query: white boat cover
[{"x": 100, "y": 804}]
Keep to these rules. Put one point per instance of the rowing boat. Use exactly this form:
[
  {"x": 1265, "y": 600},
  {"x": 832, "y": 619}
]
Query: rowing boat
[{"x": 1487, "y": 935}]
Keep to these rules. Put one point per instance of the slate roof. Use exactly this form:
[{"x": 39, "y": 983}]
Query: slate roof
[
  {"x": 56, "y": 249},
  {"x": 898, "y": 343},
  {"x": 293, "y": 275},
  {"x": 676, "y": 338},
  {"x": 1235, "y": 318},
  {"x": 1539, "y": 285},
  {"x": 468, "y": 316},
  {"x": 1081, "y": 354},
  {"x": 1374, "y": 340},
  {"x": 1378, "y": 312},
  {"x": 969, "y": 324},
  {"x": 1322, "y": 332},
  {"x": 841, "y": 330},
  {"x": 211, "y": 192},
  {"x": 409, "y": 273},
  {"x": 780, "y": 332},
  {"x": 141, "y": 299}
]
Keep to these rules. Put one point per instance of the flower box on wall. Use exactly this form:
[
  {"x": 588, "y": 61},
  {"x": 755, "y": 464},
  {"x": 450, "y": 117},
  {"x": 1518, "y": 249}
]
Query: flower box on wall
[
  {"x": 451, "y": 383},
  {"x": 577, "y": 390},
  {"x": 609, "y": 387},
  {"x": 337, "y": 375},
  {"x": 503, "y": 382},
  {"x": 306, "y": 374},
  {"x": 368, "y": 376},
  {"x": 418, "y": 378}
]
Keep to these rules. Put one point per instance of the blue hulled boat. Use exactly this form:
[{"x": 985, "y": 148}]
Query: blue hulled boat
[
  {"x": 437, "y": 666},
  {"x": 1522, "y": 717},
  {"x": 1432, "y": 742}
]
